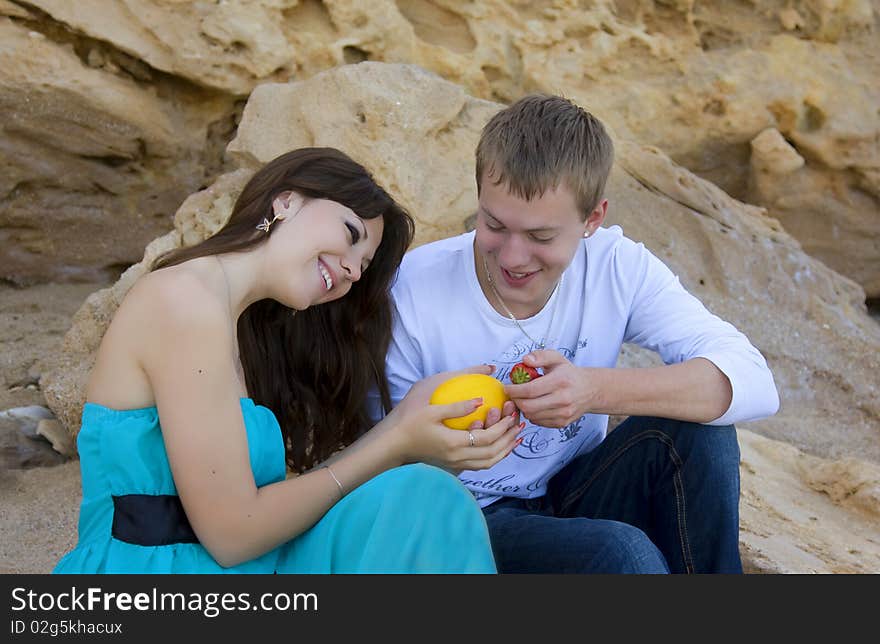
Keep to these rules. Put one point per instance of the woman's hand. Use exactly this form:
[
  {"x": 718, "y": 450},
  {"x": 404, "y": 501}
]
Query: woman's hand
[
  {"x": 423, "y": 437},
  {"x": 426, "y": 439},
  {"x": 420, "y": 393}
]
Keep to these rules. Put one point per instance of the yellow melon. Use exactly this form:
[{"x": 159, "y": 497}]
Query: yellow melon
[{"x": 465, "y": 387}]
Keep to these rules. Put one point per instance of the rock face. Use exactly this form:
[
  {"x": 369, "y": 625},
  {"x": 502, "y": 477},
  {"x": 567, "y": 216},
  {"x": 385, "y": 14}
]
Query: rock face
[
  {"x": 413, "y": 130},
  {"x": 95, "y": 156},
  {"x": 832, "y": 211},
  {"x": 416, "y": 132},
  {"x": 699, "y": 80},
  {"x": 807, "y": 320}
]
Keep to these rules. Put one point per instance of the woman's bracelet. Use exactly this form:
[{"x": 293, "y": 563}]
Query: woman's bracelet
[{"x": 338, "y": 484}]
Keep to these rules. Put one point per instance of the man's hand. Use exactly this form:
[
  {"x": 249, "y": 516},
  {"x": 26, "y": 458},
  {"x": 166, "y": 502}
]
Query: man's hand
[
  {"x": 694, "y": 391},
  {"x": 558, "y": 398}
]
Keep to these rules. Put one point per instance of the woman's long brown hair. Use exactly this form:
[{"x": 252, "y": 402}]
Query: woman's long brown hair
[{"x": 314, "y": 369}]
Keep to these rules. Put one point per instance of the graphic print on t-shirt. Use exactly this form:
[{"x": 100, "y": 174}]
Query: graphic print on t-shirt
[{"x": 543, "y": 451}]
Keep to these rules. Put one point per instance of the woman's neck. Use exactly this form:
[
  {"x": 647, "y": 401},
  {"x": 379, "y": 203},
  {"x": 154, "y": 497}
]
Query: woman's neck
[{"x": 241, "y": 277}]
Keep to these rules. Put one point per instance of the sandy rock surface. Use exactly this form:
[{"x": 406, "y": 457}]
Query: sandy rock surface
[{"x": 802, "y": 514}]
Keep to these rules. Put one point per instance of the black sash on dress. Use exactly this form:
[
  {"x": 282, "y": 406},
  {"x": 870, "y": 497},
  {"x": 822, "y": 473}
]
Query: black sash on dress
[{"x": 151, "y": 520}]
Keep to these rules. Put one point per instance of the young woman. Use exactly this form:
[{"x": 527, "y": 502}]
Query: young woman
[{"x": 242, "y": 349}]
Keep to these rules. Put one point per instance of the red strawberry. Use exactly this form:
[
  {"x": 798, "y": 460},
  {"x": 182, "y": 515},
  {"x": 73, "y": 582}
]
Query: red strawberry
[{"x": 522, "y": 373}]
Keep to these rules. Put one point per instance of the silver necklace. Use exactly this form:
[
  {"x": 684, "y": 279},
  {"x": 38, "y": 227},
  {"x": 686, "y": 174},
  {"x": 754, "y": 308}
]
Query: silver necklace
[{"x": 510, "y": 314}]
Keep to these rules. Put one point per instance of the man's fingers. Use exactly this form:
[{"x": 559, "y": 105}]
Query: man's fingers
[
  {"x": 533, "y": 390},
  {"x": 544, "y": 358},
  {"x": 546, "y": 411}
]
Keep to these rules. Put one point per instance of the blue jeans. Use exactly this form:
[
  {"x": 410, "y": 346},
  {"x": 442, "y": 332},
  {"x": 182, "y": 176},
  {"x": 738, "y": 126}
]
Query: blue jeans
[{"x": 656, "y": 496}]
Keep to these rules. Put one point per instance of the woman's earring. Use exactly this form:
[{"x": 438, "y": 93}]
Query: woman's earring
[
  {"x": 266, "y": 224},
  {"x": 287, "y": 212}
]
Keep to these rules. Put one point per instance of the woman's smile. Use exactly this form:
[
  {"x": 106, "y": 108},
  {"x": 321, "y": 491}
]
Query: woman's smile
[{"x": 326, "y": 275}]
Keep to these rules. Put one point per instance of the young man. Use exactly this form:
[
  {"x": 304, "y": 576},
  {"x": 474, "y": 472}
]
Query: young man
[{"x": 541, "y": 281}]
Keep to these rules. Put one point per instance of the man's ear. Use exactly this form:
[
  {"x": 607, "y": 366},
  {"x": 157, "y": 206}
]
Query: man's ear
[{"x": 595, "y": 218}]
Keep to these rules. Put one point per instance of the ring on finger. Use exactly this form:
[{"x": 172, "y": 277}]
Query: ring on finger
[{"x": 471, "y": 439}]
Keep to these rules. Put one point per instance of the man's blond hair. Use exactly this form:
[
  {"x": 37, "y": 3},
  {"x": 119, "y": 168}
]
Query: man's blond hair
[{"x": 541, "y": 141}]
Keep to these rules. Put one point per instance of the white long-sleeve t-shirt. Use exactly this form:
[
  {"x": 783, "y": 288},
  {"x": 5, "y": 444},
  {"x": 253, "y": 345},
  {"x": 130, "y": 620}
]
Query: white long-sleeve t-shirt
[{"x": 614, "y": 292}]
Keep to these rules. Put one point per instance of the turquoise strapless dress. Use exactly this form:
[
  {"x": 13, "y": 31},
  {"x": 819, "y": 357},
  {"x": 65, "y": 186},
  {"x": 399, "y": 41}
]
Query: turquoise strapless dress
[{"x": 411, "y": 519}]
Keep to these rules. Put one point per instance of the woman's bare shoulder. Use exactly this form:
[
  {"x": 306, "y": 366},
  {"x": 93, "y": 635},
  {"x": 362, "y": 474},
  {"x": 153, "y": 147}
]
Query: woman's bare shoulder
[
  {"x": 184, "y": 291},
  {"x": 162, "y": 311},
  {"x": 182, "y": 299}
]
